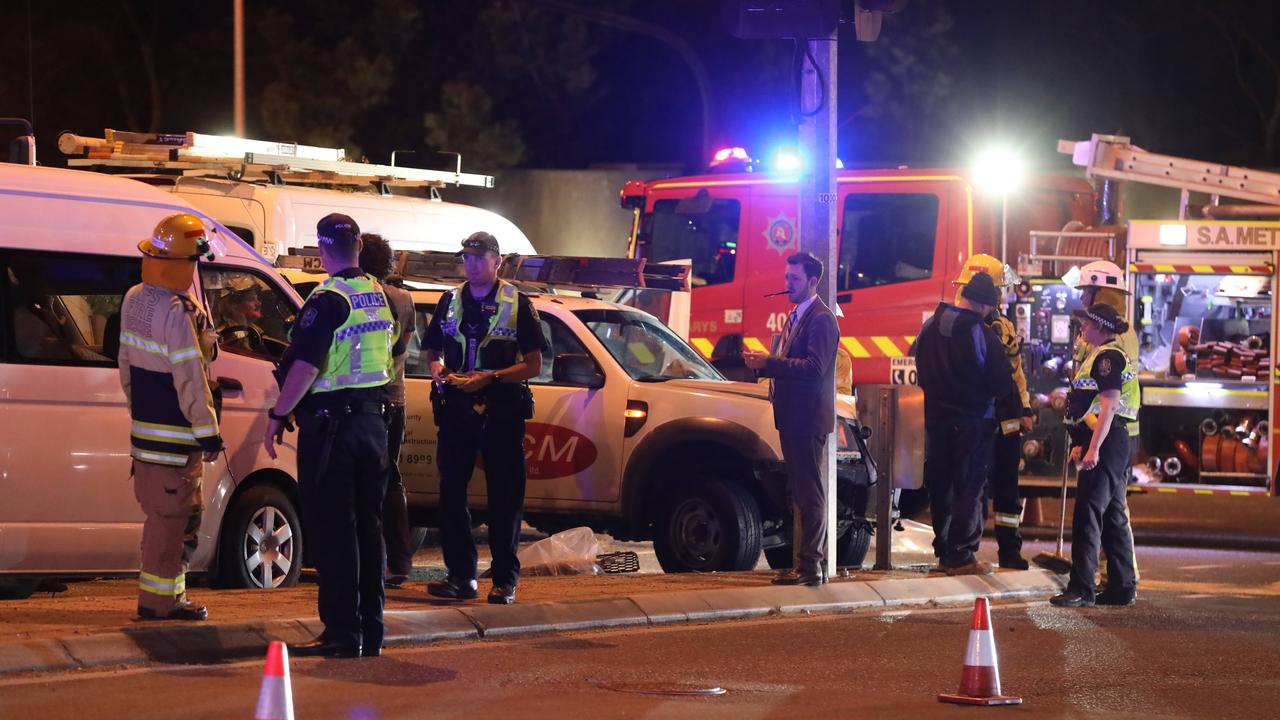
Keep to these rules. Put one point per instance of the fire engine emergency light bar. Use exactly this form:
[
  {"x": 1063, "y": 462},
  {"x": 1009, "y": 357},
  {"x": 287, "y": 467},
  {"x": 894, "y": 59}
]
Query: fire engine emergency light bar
[{"x": 531, "y": 271}]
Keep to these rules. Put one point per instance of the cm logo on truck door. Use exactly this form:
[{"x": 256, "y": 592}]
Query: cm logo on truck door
[{"x": 553, "y": 451}]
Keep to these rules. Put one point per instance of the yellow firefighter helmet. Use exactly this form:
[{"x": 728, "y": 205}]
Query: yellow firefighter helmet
[
  {"x": 1002, "y": 274},
  {"x": 181, "y": 236}
]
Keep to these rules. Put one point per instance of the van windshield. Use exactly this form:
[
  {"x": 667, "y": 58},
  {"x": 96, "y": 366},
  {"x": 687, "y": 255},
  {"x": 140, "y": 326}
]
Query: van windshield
[{"x": 646, "y": 348}]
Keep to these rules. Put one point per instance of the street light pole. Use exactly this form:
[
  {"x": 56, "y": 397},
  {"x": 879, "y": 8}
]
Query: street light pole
[
  {"x": 238, "y": 63},
  {"x": 817, "y": 217}
]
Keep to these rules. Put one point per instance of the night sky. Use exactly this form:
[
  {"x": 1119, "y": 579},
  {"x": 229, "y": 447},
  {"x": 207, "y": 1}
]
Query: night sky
[{"x": 1194, "y": 78}]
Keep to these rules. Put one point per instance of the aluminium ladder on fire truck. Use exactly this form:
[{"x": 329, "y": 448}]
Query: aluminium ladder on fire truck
[
  {"x": 1115, "y": 157},
  {"x": 197, "y": 154}
]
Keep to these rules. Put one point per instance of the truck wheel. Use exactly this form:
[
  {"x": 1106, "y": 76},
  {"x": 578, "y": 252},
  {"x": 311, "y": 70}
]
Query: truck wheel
[
  {"x": 851, "y": 549},
  {"x": 261, "y": 542},
  {"x": 707, "y": 527}
]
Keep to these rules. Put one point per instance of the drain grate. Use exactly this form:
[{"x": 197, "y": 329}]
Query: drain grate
[{"x": 669, "y": 689}]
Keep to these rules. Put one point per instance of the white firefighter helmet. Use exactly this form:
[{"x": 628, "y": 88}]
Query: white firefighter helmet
[{"x": 1102, "y": 274}]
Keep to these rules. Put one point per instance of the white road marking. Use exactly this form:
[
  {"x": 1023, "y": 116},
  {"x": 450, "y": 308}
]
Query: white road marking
[
  {"x": 1204, "y": 567},
  {"x": 1088, "y": 652}
]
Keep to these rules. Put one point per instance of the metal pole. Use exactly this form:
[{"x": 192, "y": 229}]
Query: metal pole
[
  {"x": 884, "y": 433},
  {"x": 817, "y": 217},
  {"x": 238, "y": 62},
  {"x": 1004, "y": 228}
]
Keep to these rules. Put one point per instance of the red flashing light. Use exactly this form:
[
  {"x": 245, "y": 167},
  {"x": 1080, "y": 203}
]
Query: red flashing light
[{"x": 730, "y": 155}]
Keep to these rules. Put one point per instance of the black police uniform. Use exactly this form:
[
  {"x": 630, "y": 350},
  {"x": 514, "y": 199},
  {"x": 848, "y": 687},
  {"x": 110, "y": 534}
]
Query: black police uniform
[
  {"x": 1101, "y": 512},
  {"x": 490, "y": 422},
  {"x": 342, "y": 474}
]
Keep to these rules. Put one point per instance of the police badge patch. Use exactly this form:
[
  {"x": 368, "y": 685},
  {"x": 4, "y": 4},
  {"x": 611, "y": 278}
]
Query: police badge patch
[
  {"x": 1104, "y": 366},
  {"x": 308, "y": 317}
]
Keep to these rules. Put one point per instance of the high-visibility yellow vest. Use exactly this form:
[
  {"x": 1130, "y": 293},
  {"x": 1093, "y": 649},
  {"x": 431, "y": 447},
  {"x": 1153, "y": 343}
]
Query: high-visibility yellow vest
[
  {"x": 360, "y": 355},
  {"x": 1130, "y": 396},
  {"x": 502, "y": 325}
]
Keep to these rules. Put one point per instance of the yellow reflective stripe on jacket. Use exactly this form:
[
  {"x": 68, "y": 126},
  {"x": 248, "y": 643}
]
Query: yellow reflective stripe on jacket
[
  {"x": 151, "y": 346},
  {"x": 205, "y": 431},
  {"x": 1130, "y": 395},
  {"x": 160, "y": 458},
  {"x": 188, "y": 353},
  {"x": 168, "y": 433},
  {"x": 166, "y": 587}
]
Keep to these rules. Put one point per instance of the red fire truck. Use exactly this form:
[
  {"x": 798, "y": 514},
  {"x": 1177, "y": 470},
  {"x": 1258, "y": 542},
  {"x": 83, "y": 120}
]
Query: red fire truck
[{"x": 903, "y": 234}]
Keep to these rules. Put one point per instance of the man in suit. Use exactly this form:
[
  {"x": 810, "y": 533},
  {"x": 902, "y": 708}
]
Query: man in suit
[{"x": 802, "y": 370}]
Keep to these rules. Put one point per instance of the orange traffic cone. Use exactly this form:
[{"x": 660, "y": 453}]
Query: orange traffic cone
[
  {"x": 275, "y": 699},
  {"x": 980, "y": 681}
]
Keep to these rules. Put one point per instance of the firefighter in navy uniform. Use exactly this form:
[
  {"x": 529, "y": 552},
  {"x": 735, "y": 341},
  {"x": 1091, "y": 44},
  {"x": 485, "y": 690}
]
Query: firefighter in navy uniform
[
  {"x": 483, "y": 343},
  {"x": 166, "y": 345},
  {"x": 1012, "y": 412},
  {"x": 338, "y": 361},
  {"x": 1103, "y": 400}
]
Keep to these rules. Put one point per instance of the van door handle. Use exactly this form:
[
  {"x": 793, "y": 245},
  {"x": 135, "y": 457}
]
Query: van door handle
[{"x": 230, "y": 384}]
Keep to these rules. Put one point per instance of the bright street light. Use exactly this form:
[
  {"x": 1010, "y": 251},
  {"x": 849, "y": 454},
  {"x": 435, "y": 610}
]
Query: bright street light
[{"x": 998, "y": 170}]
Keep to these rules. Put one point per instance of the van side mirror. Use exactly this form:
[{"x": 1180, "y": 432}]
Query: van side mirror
[{"x": 577, "y": 369}]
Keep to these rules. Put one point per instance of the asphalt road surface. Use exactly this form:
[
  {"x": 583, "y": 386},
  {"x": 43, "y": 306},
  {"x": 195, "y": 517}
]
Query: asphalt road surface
[{"x": 1204, "y": 641}]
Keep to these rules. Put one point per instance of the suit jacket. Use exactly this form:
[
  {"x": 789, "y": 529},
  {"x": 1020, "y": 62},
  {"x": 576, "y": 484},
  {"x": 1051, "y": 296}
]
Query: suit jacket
[{"x": 804, "y": 374}]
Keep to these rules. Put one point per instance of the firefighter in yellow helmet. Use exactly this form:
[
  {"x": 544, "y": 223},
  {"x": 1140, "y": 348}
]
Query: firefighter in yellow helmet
[
  {"x": 166, "y": 345},
  {"x": 1013, "y": 414}
]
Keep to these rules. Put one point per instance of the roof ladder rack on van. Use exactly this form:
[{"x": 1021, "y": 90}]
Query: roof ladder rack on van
[
  {"x": 197, "y": 154},
  {"x": 533, "y": 272}
]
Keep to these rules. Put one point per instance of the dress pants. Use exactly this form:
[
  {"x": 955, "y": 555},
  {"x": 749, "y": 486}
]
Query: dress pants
[
  {"x": 802, "y": 454},
  {"x": 172, "y": 501},
  {"x": 464, "y": 434},
  {"x": 957, "y": 462},
  {"x": 1101, "y": 517},
  {"x": 395, "y": 511},
  {"x": 343, "y": 487}
]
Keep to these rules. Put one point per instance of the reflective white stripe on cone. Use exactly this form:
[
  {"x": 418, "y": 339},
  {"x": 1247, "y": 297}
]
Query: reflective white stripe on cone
[
  {"x": 980, "y": 681},
  {"x": 275, "y": 698}
]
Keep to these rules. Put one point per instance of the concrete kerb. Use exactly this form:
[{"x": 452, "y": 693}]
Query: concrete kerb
[{"x": 213, "y": 643}]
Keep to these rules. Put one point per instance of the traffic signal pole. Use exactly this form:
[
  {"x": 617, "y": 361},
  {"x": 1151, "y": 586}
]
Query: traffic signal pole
[{"x": 818, "y": 213}]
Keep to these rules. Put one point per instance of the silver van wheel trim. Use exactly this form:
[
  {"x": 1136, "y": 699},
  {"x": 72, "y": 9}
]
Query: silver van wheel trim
[{"x": 268, "y": 550}]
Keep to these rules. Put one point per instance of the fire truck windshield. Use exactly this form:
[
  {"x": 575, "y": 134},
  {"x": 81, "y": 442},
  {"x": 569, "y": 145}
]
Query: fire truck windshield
[
  {"x": 646, "y": 348},
  {"x": 699, "y": 229}
]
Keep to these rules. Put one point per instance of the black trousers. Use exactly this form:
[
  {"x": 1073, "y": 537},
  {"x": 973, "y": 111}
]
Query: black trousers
[
  {"x": 1006, "y": 452},
  {"x": 802, "y": 454},
  {"x": 957, "y": 461},
  {"x": 395, "y": 509},
  {"x": 1101, "y": 517},
  {"x": 342, "y": 492},
  {"x": 500, "y": 441}
]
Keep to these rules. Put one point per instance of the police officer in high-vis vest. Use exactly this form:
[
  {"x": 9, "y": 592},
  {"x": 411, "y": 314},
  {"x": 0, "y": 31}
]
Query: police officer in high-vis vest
[
  {"x": 166, "y": 344},
  {"x": 483, "y": 343},
  {"x": 1103, "y": 400},
  {"x": 1013, "y": 412},
  {"x": 338, "y": 361}
]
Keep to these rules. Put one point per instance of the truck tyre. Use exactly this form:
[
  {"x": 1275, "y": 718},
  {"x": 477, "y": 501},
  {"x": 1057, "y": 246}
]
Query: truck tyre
[
  {"x": 851, "y": 549},
  {"x": 261, "y": 541},
  {"x": 707, "y": 527}
]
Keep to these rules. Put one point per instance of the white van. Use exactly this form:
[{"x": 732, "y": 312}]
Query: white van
[
  {"x": 272, "y": 194},
  {"x": 68, "y": 253},
  {"x": 274, "y": 218}
]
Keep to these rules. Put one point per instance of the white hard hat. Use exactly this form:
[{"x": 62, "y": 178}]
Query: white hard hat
[{"x": 1102, "y": 274}]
